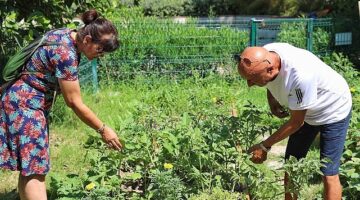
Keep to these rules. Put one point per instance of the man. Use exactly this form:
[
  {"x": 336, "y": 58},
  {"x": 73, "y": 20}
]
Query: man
[
  {"x": 318, "y": 99},
  {"x": 321, "y": 13}
]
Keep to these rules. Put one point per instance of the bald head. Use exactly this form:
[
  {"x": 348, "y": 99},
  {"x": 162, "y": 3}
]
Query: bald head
[
  {"x": 255, "y": 53},
  {"x": 251, "y": 57},
  {"x": 257, "y": 66}
]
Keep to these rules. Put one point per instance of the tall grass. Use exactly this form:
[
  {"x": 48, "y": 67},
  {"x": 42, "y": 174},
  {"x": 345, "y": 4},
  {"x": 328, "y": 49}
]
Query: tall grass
[{"x": 153, "y": 45}]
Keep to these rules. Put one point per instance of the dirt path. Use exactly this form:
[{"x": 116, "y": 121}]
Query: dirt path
[{"x": 274, "y": 158}]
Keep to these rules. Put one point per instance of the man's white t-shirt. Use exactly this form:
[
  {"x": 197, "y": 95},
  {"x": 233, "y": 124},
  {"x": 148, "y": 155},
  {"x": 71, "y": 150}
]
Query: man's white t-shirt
[{"x": 306, "y": 83}]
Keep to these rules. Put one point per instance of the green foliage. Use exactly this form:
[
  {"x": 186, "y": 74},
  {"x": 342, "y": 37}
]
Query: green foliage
[
  {"x": 288, "y": 8},
  {"x": 60, "y": 114},
  {"x": 300, "y": 171},
  {"x": 21, "y": 21},
  {"x": 165, "y": 185},
  {"x": 187, "y": 124},
  {"x": 186, "y": 7},
  {"x": 257, "y": 182},
  {"x": 69, "y": 187},
  {"x": 346, "y": 9},
  {"x": 321, "y": 40},
  {"x": 350, "y": 167},
  {"x": 295, "y": 33},
  {"x": 217, "y": 194},
  {"x": 164, "y": 8},
  {"x": 202, "y": 127},
  {"x": 341, "y": 63},
  {"x": 213, "y": 8}
]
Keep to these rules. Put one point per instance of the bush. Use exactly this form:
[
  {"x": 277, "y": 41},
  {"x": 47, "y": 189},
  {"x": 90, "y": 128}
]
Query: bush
[
  {"x": 165, "y": 185},
  {"x": 295, "y": 33},
  {"x": 21, "y": 21},
  {"x": 163, "y": 8},
  {"x": 341, "y": 63}
]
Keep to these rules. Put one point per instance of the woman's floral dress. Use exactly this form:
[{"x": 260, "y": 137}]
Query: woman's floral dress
[{"x": 24, "y": 106}]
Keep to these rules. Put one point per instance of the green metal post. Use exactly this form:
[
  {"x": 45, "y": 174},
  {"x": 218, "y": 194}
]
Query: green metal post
[
  {"x": 94, "y": 74},
  {"x": 310, "y": 29},
  {"x": 253, "y": 32}
]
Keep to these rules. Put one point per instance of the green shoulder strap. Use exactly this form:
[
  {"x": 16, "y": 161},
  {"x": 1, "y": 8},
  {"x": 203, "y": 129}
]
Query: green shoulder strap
[{"x": 14, "y": 66}]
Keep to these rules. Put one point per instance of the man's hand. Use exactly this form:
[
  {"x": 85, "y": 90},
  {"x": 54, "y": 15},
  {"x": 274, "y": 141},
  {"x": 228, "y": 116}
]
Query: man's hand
[
  {"x": 275, "y": 107},
  {"x": 278, "y": 111},
  {"x": 258, "y": 155},
  {"x": 111, "y": 139}
]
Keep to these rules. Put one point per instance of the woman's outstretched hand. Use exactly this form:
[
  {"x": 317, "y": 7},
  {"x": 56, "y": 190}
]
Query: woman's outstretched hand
[{"x": 111, "y": 139}]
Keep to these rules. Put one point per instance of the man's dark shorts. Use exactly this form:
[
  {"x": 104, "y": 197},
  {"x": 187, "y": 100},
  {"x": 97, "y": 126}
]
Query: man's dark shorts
[{"x": 332, "y": 139}]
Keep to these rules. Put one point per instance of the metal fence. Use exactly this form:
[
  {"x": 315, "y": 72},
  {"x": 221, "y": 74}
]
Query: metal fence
[
  {"x": 186, "y": 45},
  {"x": 312, "y": 34},
  {"x": 88, "y": 76},
  {"x": 168, "y": 46},
  {"x": 183, "y": 46}
]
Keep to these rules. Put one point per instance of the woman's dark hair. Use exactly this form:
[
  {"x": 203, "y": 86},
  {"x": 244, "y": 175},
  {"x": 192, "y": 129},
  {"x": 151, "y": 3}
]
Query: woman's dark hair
[{"x": 97, "y": 26}]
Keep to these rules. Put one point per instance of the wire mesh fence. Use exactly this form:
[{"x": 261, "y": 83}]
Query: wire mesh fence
[
  {"x": 183, "y": 47},
  {"x": 312, "y": 34},
  {"x": 88, "y": 76},
  {"x": 166, "y": 46},
  {"x": 186, "y": 46}
]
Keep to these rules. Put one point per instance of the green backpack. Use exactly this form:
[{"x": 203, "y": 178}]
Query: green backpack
[{"x": 14, "y": 67}]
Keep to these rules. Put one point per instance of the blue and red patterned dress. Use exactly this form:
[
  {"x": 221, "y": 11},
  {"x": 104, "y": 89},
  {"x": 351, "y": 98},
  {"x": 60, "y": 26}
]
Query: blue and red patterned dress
[{"x": 24, "y": 106}]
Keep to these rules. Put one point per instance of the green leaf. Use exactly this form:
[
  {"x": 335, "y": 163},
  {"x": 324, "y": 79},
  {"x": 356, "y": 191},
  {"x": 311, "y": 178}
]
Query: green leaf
[{"x": 134, "y": 176}]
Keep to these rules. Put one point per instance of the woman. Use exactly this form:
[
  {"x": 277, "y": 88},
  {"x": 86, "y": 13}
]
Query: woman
[{"x": 24, "y": 134}]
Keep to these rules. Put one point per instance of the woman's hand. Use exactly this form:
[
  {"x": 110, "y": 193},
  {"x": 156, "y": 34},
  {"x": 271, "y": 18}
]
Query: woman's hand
[{"x": 111, "y": 139}]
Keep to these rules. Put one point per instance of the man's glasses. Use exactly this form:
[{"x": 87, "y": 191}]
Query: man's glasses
[{"x": 246, "y": 61}]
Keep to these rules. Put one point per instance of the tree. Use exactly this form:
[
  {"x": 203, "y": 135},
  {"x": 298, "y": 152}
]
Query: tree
[{"x": 23, "y": 20}]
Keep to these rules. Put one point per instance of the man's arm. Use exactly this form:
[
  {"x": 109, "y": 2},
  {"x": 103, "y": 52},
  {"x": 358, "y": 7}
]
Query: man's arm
[
  {"x": 291, "y": 126},
  {"x": 296, "y": 120},
  {"x": 275, "y": 107}
]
